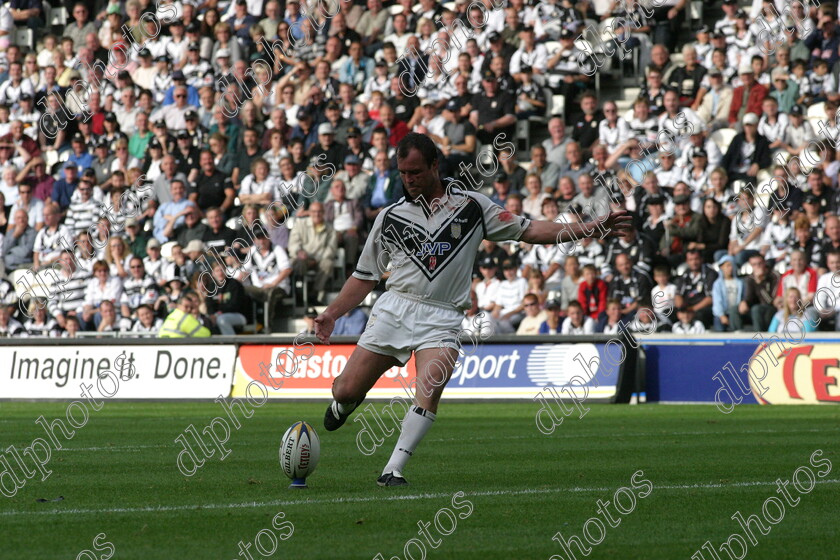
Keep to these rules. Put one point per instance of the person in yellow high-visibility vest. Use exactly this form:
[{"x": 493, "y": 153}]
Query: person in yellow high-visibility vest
[{"x": 181, "y": 323}]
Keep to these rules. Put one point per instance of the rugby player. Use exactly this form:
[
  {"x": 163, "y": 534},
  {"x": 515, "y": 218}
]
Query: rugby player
[{"x": 427, "y": 241}]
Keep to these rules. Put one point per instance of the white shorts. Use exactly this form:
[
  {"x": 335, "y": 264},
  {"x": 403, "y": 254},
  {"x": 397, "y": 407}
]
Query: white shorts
[{"x": 400, "y": 324}]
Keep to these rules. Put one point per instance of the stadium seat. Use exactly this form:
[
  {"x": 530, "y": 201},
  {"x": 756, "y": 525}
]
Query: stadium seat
[
  {"x": 816, "y": 113},
  {"x": 695, "y": 11},
  {"x": 58, "y": 16},
  {"x": 45, "y": 6},
  {"x": 25, "y": 38},
  {"x": 558, "y": 105},
  {"x": 552, "y": 47},
  {"x": 722, "y": 137},
  {"x": 588, "y": 48},
  {"x": 50, "y": 158},
  {"x": 166, "y": 251}
]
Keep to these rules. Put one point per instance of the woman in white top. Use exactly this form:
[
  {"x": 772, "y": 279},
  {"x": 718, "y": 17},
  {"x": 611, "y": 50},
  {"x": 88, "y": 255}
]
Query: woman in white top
[
  {"x": 102, "y": 287},
  {"x": 532, "y": 204},
  {"x": 259, "y": 186},
  {"x": 117, "y": 257}
]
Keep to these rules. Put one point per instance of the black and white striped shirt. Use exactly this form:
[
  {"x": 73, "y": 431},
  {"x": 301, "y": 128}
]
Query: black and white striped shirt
[
  {"x": 48, "y": 243},
  {"x": 137, "y": 291},
  {"x": 82, "y": 215},
  {"x": 69, "y": 292}
]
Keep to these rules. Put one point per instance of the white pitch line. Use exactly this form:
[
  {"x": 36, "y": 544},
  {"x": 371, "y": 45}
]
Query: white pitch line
[
  {"x": 535, "y": 436},
  {"x": 114, "y": 448},
  {"x": 390, "y": 498}
]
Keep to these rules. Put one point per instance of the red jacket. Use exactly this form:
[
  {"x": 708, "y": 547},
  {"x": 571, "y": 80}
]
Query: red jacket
[
  {"x": 593, "y": 299},
  {"x": 756, "y": 96},
  {"x": 397, "y": 132}
]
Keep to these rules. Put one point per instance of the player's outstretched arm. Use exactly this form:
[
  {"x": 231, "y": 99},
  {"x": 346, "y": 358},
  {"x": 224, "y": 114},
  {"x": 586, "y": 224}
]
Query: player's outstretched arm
[
  {"x": 616, "y": 224},
  {"x": 352, "y": 294}
]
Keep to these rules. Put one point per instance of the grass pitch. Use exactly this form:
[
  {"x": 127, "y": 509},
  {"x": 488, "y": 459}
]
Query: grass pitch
[{"x": 118, "y": 476}]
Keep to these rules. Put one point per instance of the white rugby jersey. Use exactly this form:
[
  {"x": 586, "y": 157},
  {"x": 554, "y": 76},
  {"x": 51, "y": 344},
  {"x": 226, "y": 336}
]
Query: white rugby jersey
[{"x": 430, "y": 254}]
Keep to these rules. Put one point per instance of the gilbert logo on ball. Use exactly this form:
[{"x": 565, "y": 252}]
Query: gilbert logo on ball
[{"x": 300, "y": 450}]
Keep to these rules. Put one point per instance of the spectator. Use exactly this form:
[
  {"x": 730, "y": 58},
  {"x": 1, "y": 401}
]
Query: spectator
[
  {"x": 104, "y": 287},
  {"x": 83, "y": 214},
  {"x": 52, "y": 239},
  {"x": 227, "y": 302},
  {"x": 509, "y": 311},
  {"x": 487, "y": 290},
  {"x": 629, "y": 285},
  {"x": 727, "y": 293},
  {"x": 686, "y": 323},
  {"x": 793, "y": 318},
  {"x": 492, "y": 110},
  {"x": 610, "y": 322},
  {"x": 384, "y": 187},
  {"x": 534, "y": 316},
  {"x": 138, "y": 289},
  {"x": 172, "y": 213},
  {"x": 351, "y": 323},
  {"x": 800, "y": 276},
  {"x": 213, "y": 188},
  {"x": 146, "y": 323},
  {"x": 747, "y": 229},
  {"x": 269, "y": 271},
  {"x": 347, "y": 218},
  {"x": 710, "y": 230},
  {"x": 746, "y": 98},
  {"x": 555, "y": 145},
  {"x": 191, "y": 229},
  {"x": 63, "y": 188},
  {"x": 19, "y": 242},
  {"x": 695, "y": 287},
  {"x": 72, "y": 283},
  {"x": 40, "y": 323},
  {"x": 663, "y": 294},
  {"x": 553, "y": 323},
  {"x": 592, "y": 293},
  {"x": 313, "y": 244},
  {"x": 576, "y": 322},
  {"x": 9, "y": 327}
]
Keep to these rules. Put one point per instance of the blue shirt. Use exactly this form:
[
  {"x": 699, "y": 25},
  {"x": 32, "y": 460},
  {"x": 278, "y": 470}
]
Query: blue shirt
[
  {"x": 82, "y": 161},
  {"x": 377, "y": 197},
  {"x": 192, "y": 97},
  {"x": 62, "y": 191},
  {"x": 169, "y": 209},
  {"x": 352, "y": 323}
]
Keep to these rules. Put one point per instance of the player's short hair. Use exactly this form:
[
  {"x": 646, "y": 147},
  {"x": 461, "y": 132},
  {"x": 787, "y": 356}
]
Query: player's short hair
[
  {"x": 419, "y": 142},
  {"x": 575, "y": 304},
  {"x": 590, "y": 267},
  {"x": 662, "y": 269}
]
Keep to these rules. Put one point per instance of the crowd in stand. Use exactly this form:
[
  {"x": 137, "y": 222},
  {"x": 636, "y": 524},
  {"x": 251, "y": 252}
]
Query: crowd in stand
[{"x": 258, "y": 137}]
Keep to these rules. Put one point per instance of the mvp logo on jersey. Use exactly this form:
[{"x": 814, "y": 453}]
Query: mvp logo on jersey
[{"x": 435, "y": 249}]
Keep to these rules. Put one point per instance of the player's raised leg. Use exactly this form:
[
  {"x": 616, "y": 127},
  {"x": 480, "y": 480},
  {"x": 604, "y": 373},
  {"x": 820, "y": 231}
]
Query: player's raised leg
[
  {"x": 349, "y": 389},
  {"x": 434, "y": 368}
]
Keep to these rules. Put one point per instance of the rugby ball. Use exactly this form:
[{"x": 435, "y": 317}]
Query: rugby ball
[{"x": 300, "y": 450}]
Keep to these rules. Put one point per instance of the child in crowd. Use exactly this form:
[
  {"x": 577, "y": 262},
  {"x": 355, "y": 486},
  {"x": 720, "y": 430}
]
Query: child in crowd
[
  {"x": 592, "y": 293},
  {"x": 662, "y": 295},
  {"x": 687, "y": 324}
]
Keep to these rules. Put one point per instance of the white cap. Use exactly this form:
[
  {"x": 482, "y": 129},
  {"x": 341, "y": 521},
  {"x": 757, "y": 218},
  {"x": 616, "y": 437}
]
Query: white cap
[
  {"x": 325, "y": 128},
  {"x": 750, "y": 118}
]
